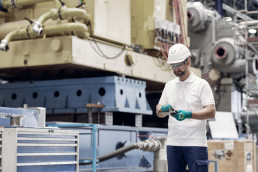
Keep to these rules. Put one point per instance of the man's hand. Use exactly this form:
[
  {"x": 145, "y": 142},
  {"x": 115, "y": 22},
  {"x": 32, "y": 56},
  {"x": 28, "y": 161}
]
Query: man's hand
[
  {"x": 182, "y": 115},
  {"x": 166, "y": 108}
]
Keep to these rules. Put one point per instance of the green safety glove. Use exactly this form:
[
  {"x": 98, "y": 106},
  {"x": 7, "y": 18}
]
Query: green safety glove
[
  {"x": 166, "y": 108},
  {"x": 182, "y": 115}
]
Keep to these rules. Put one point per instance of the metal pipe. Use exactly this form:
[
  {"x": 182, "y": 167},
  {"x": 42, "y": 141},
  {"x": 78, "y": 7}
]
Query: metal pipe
[
  {"x": 11, "y": 35},
  {"x": 215, "y": 163},
  {"x": 78, "y": 29},
  {"x": 236, "y": 13},
  {"x": 22, "y": 24},
  {"x": 77, "y": 14},
  {"x": 38, "y": 25},
  {"x": 213, "y": 31},
  {"x": 21, "y": 3},
  {"x": 253, "y": 22},
  {"x": 4, "y": 43},
  {"x": 61, "y": 13},
  {"x": 94, "y": 162},
  {"x": 10, "y": 26},
  {"x": 71, "y": 125}
]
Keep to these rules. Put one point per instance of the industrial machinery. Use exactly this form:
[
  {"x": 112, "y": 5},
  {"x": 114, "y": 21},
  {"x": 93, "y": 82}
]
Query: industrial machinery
[
  {"x": 63, "y": 146},
  {"x": 60, "y": 39},
  {"x": 221, "y": 48},
  {"x": 27, "y": 145},
  {"x": 72, "y": 39},
  {"x": 98, "y": 67},
  {"x": 157, "y": 27},
  {"x": 78, "y": 96},
  {"x": 227, "y": 60},
  {"x": 216, "y": 48},
  {"x": 118, "y": 148},
  {"x": 85, "y": 62}
]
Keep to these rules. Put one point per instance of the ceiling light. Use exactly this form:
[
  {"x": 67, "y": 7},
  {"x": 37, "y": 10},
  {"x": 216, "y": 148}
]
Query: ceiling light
[{"x": 252, "y": 31}]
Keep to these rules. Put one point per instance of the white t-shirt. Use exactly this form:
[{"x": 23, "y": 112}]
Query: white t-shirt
[{"x": 190, "y": 95}]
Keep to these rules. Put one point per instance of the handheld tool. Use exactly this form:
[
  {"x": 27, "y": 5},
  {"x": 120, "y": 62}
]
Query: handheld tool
[{"x": 171, "y": 112}]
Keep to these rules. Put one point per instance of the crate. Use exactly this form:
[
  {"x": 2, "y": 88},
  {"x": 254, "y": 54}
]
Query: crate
[{"x": 233, "y": 155}]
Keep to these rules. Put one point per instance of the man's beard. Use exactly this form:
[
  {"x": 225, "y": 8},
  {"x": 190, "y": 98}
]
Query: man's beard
[{"x": 180, "y": 73}]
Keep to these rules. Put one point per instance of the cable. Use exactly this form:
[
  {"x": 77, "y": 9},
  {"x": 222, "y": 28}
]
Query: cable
[
  {"x": 180, "y": 23},
  {"x": 100, "y": 52},
  {"x": 176, "y": 13},
  {"x": 160, "y": 63},
  {"x": 183, "y": 29},
  {"x": 161, "y": 49},
  {"x": 178, "y": 19}
]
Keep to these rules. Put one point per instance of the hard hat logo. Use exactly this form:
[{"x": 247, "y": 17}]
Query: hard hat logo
[
  {"x": 178, "y": 53},
  {"x": 173, "y": 51}
]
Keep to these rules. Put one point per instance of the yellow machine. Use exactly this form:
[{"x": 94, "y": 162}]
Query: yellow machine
[
  {"x": 154, "y": 23},
  {"x": 84, "y": 35}
]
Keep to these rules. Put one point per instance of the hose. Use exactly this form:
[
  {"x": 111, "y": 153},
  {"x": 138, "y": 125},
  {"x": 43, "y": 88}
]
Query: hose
[
  {"x": 147, "y": 145},
  {"x": 61, "y": 13},
  {"x": 78, "y": 29},
  {"x": 117, "y": 152},
  {"x": 112, "y": 154}
]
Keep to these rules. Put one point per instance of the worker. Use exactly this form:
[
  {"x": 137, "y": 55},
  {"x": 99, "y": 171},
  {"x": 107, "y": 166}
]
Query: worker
[{"x": 191, "y": 99}]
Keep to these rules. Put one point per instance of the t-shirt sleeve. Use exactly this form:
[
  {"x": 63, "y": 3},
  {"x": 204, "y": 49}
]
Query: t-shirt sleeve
[
  {"x": 163, "y": 99},
  {"x": 206, "y": 95}
]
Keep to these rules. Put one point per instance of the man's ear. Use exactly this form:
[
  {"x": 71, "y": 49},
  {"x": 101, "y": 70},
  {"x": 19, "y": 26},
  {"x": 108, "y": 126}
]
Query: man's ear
[{"x": 189, "y": 60}]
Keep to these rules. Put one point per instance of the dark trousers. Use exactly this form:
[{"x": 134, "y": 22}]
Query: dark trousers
[{"x": 195, "y": 157}]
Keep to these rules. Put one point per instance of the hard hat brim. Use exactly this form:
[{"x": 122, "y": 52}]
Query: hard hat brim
[{"x": 178, "y": 61}]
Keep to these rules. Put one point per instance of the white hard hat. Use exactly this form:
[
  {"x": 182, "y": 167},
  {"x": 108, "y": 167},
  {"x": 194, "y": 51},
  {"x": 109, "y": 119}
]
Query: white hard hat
[{"x": 178, "y": 53}]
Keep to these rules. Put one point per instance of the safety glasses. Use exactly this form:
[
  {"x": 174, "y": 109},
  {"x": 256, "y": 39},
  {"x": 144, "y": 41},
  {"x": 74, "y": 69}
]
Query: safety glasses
[{"x": 179, "y": 65}]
